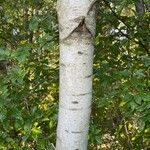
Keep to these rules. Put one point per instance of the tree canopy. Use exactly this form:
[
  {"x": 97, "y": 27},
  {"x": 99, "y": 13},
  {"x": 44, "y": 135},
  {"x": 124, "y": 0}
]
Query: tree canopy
[{"x": 29, "y": 78}]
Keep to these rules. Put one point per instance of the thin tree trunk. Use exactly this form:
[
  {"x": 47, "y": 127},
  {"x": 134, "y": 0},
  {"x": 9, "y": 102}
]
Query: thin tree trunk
[{"x": 76, "y": 30}]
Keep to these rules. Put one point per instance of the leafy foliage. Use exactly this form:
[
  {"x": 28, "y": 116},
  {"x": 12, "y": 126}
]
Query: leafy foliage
[
  {"x": 29, "y": 87},
  {"x": 29, "y": 76},
  {"x": 121, "y": 81}
]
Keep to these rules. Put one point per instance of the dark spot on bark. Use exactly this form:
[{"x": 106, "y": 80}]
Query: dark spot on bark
[
  {"x": 62, "y": 65},
  {"x": 76, "y": 109},
  {"x": 67, "y": 131},
  {"x": 80, "y": 53},
  {"x": 88, "y": 76},
  {"x": 82, "y": 94},
  {"x": 76, "y": 149},
  {"x": 76, "y": 132},
  {"x": 81, "y": 26},
  {"x": 75, "y": 102},
  {"x": 84, "y": 63}
]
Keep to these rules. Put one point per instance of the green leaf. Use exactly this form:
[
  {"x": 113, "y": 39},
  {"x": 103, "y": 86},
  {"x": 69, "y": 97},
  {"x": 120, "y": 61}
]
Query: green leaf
[
  {"x": 34, "y": 22},
  {"x": 141, "y": 124},
  {"x": 138, "y": 100},
  {"x": 4, "y": 54},
  {"x": 21, "y": 54},
  {"x": 133, "y": 105},
  {"x": 146, "y": 60}
]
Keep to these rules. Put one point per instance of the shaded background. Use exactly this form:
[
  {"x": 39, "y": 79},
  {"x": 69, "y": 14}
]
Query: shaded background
[{"x": 29, "y": 58}]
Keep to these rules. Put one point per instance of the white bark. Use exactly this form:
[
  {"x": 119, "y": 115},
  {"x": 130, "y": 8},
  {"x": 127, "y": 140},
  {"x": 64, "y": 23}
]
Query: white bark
[{"x": 77, "y": 30}]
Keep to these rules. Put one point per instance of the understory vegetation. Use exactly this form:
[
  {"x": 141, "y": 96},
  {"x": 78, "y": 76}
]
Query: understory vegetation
[{"x": 29, "y": 76}]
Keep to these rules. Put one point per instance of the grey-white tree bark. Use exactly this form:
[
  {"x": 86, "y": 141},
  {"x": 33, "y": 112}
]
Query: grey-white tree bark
[{"x": 76, "y": 33}]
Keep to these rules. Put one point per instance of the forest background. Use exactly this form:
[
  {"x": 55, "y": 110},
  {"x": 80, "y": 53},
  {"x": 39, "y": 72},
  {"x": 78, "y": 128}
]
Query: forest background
[{"x": 29, "y": 75}]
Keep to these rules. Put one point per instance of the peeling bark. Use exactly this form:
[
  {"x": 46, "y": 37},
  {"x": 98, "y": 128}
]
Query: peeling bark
[{"x": 76, "y": 33}]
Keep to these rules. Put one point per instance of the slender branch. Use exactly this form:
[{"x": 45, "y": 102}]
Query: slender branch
[
  {"x": 139, "y": 42},
  {"x": 116, "y": 15}
]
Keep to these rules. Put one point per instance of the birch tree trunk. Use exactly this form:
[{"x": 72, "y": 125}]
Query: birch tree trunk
[{"x": 76, "y": 30}]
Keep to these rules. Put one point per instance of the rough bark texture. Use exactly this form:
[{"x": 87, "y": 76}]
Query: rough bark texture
[{"x": 76, "y": 29}]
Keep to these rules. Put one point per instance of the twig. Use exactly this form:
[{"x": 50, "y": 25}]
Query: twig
[{"x": 129, "y": 28}]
